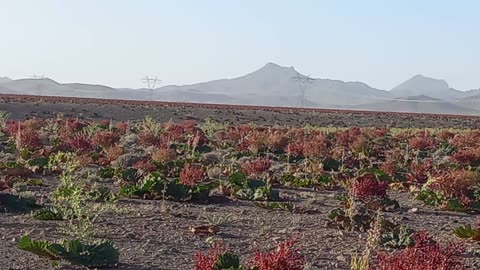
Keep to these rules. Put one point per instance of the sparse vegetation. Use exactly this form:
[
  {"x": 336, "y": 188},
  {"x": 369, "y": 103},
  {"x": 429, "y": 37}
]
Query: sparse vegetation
[{"x": 225, "y": 182}]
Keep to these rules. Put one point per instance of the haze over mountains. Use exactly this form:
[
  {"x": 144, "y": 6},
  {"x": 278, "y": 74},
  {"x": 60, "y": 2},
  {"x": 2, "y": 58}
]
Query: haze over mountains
[{"x": 274, "y": 85}]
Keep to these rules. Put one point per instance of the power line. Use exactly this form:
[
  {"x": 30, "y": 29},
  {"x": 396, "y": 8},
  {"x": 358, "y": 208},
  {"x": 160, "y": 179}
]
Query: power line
[
  {"x": 151, "y": 82},
  {"x": 302, "y": 81}
]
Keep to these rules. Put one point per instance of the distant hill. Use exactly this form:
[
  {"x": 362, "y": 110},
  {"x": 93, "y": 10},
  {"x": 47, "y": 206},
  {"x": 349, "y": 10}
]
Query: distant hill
[
  {"x": 421, "y": 85},
  {"x": 472, "y": 93},
  {"x": 274, "y": 85},
  {"x": 4, "y": 79},
  {"x": 472, "y": 102},
  {"x": 274, "y": 80},
  {"x": 49, "y": 87},
  {"x": 419, "y": 104}
]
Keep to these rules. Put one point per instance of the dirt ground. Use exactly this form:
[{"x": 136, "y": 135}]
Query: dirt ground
[
  {"x": 21, "y": 108},
  {"x": 155, "y": 234}
]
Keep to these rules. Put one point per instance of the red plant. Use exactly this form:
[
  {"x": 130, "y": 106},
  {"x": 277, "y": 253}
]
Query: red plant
[
  {"x": 207, "y": 261},
  {"x": 381, "y": 132},
  {"x": 420, "y": 171},
  {"x": 467, "y": 139},
  {"x": 69, "y": 129},
  {"x": 146, "y": 138},
  {"x": 315, "y": 146},
  {"x": 33, "y": 124},
  {"x": 3, "y": 186},
  {"x": 346, "y": 137},
  {"x": 112, "y": 153},
  {"x": 197, "y": 139},
  {"x": 12, "y": 127},
  {"x": 105, "y": 138},
  {"x": 188, "y": 124},
  {"x": 469, "y": 156},
  {"x": 80, "y": 143},
  {"x": 276, "y": 140},
  {"x": 85, "y": 159},
  {"x": 256, "y": 141},
  {"x": 25, "y": 134},
  {"x": 256, "y": 167},
  {"x": 285, "y": 257},
  {"x": 360, "y": 144},
  {"x": 242, "y": 146},
  {"x": 424, "y": 255},
  {"x": 163, "y": 155},
  {"x": 422, "y": 142},
  {"x": 295, "y": 149},
  {"x": 74, "y": 124},
  {"x": 368, "y": 186},
  {"x": 26, "y": 138},
  {"x": 175, "y": 133},
  {"x": 394, "y": 162},
  {"x": 239, "y": 132},
  {"x": 104, "y": 123},
  {"x": 123, "y": 127},
  {"x": 454, "y": 184},
  {"x": 445, "y": 135},
  {"x": 191, "y": 175},
  {"x": 145, "y": 165}
]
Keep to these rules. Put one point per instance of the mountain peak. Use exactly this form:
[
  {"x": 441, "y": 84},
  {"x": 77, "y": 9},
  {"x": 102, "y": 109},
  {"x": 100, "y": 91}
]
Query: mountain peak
[
  {"x": 4, "y": 79},
  {"x": 423, "y": 81},
  {"x": 420, "y": 76},
  {"x": 421, "y": 85},
  {"x": 270, "y": 66}
]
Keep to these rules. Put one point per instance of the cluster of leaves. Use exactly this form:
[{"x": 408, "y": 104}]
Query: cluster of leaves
[
  {"x": 24, "y": 134},
  {"x": 424, "y": 254},
  {"x": 456, "y": 190},
  {"x": 345, "y": 220},
  {"x": 155, "y": 186},
  {"x": 96, "y": 254},
  {"x": 367, "y": 195},
  {"x": 367, "y": 186},
  {"x": 468, "y": 231},
  {"x": 191, "y": 175},
  {"x": 240, "y": 186},
  {"x": 405, "y": 156},
  {"x": 256, "y": 167},
  {"x": 17, "y": 203},
  {"x": 285, "y": 256},
  {"x": 396, "y": 236}
]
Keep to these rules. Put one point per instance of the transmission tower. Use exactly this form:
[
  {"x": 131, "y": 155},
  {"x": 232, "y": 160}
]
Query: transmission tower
[
  {"x": 303, "y": 82},
  {"x": 151, "y": 83}
]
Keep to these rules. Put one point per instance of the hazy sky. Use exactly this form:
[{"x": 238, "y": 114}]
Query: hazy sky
[{"x": 116, "y": 42}]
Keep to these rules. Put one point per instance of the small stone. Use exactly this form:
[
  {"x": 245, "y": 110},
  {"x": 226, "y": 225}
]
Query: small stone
[
  {"x": 413, "y": 210},
  {"x": 341, "y": 258}
]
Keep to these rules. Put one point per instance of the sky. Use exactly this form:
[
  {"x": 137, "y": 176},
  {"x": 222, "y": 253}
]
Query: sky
[{"x": 118, "y": 42}]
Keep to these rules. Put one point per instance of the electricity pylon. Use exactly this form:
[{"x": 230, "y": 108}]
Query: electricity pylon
[
  {"x": 151, "y": 83},
  {"x": 302, "y": 81}
]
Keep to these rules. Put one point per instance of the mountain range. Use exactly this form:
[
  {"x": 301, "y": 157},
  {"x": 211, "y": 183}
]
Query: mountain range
[{"x": 274, "y": 85}]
